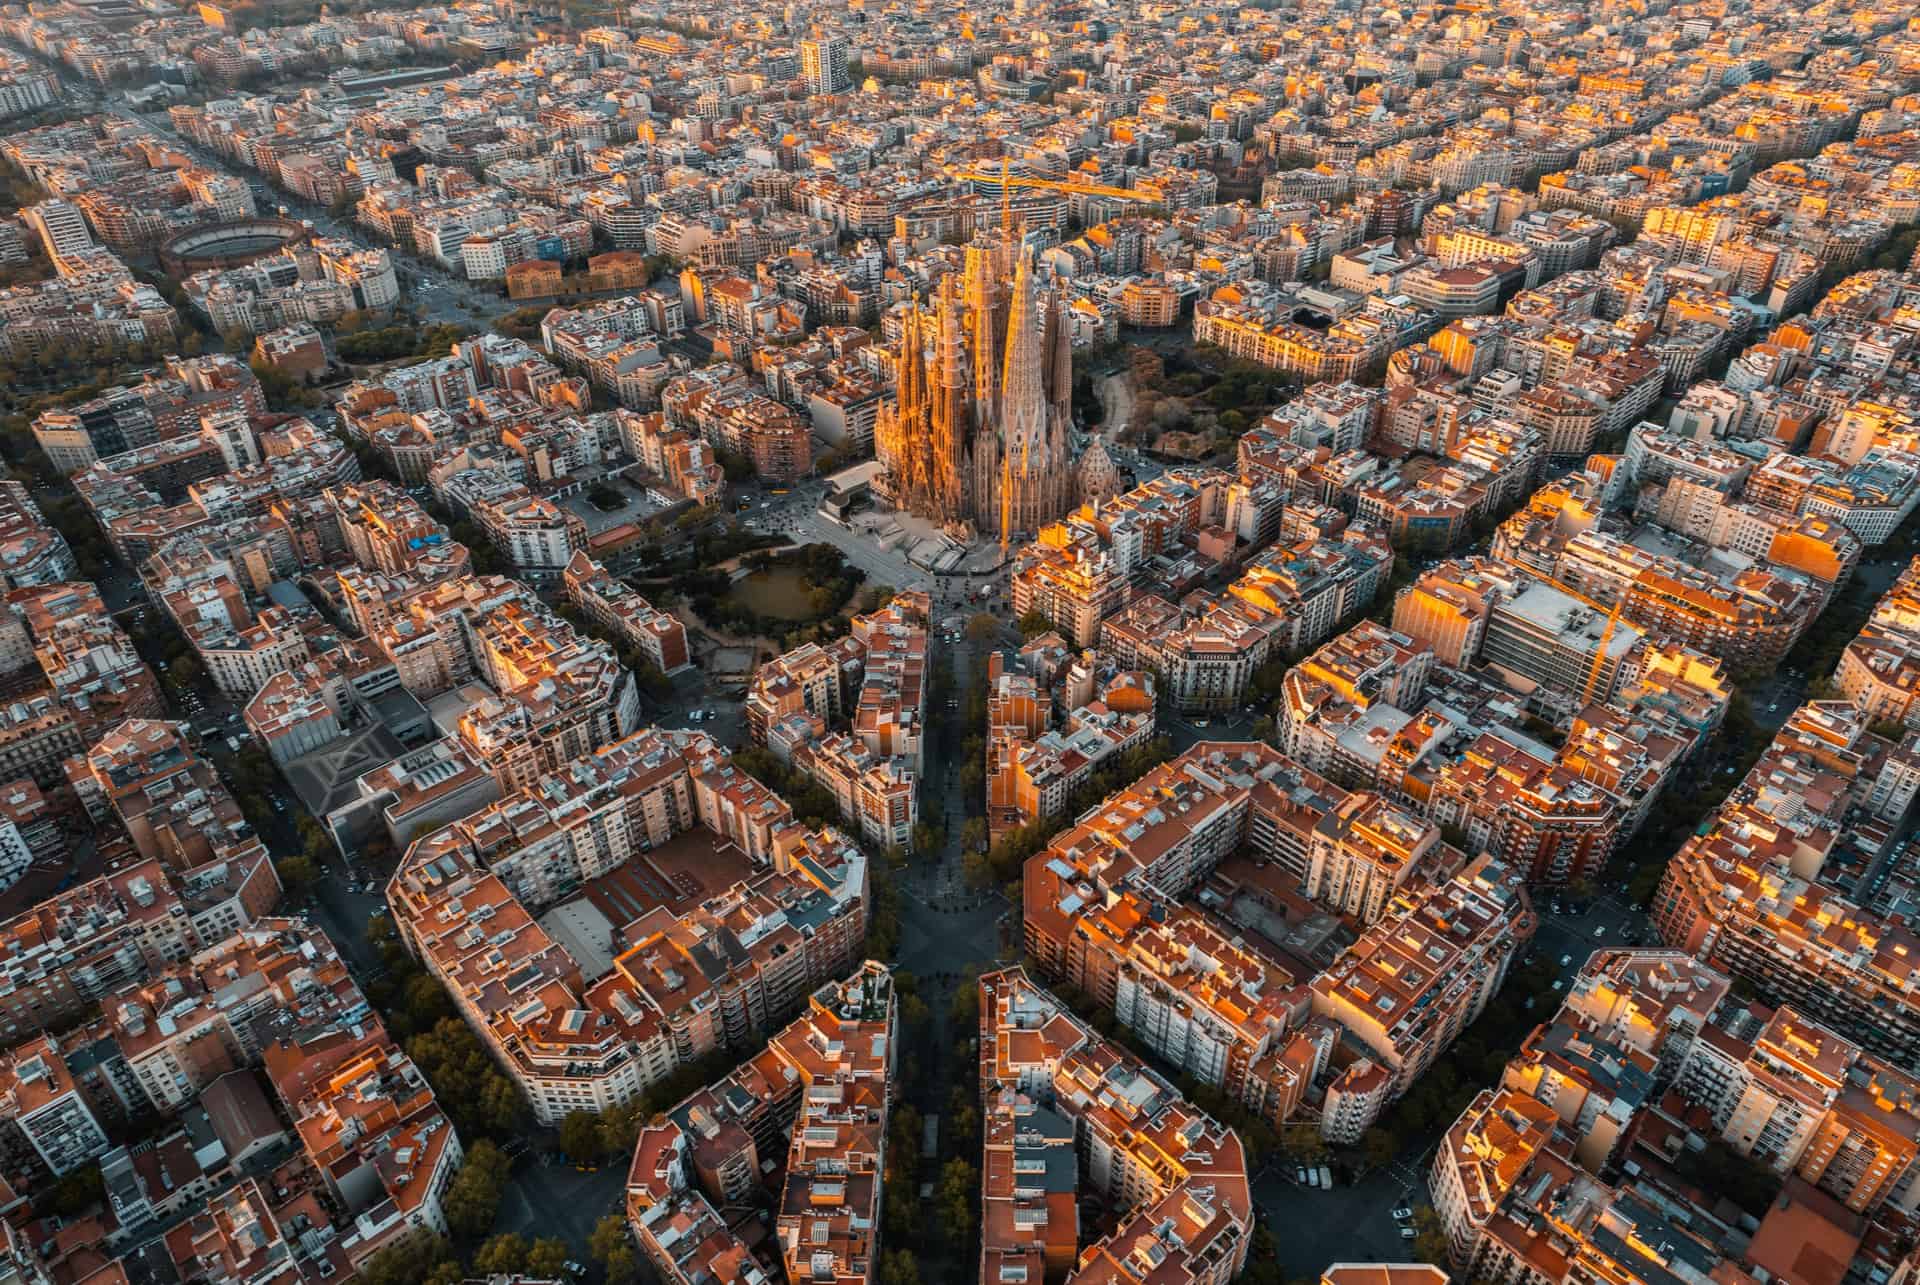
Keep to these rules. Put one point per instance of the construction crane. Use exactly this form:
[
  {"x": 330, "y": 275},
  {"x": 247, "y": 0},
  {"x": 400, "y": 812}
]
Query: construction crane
[
  {"x": 1009, "y": 182},
  {"x": 1606, "y": 634}
]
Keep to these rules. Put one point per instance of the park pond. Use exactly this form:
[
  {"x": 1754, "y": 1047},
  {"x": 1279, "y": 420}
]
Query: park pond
[{"x": 781, "y": 592}]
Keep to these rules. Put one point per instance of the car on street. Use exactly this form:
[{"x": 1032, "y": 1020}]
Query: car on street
[
  {"x": 1404, "y": 1214},
  {"x": 1408, "y": 1233}
]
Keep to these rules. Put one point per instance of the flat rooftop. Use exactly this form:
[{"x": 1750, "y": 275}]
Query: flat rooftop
[
  {"x": 680, "y": 874},
  {"x": 326, "y": 779}
]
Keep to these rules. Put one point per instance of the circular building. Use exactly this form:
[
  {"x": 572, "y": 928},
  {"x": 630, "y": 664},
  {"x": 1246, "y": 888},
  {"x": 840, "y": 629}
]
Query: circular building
[{"x": 229, "y": 245}]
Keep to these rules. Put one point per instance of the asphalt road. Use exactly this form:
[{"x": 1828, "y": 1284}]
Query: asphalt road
[
  {"x": 1313, "y": 1228},
  {"x": 1607, "y": 921},
  {"x": 946, "y": 927},
  {"x": 544, "y": 1200}
]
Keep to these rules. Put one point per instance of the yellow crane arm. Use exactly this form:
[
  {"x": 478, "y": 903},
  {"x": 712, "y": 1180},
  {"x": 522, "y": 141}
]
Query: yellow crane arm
[{"x": 1053, "y": 185}]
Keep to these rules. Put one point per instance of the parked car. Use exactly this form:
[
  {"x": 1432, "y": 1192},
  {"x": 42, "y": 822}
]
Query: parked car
[{"x": 1404, "y": 1214}]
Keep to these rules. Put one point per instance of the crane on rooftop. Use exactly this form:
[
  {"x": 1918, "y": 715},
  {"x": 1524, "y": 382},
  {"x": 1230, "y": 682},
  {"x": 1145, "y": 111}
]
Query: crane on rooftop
[
  {"x": 1606, "y": 633},
  {"x": 1009, "y": 182}
]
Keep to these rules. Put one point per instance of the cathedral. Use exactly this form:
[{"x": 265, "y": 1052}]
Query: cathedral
[{"x": 980, "y": 429}]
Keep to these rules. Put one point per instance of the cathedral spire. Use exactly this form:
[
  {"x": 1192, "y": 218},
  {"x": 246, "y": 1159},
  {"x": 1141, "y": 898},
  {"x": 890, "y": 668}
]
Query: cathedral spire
[
  {"x": 915, "y": 445},
  {"x": 979, "y": 424},
  {"x": 1060, "y": 362},
  {"x": 949, "y": 394},
  {"x": 1023, "y": 395},
  {"x": 1025, "y": 443},
  {"x": 982, "y": 298}
]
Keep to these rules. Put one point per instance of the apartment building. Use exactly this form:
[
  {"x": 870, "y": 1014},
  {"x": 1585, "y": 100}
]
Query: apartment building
[
  {"x": 595, "y": 977},
  {"x": 1364, "y": 852},
  {"x": 1075, "y": 585},
  {"x": 47, "y": 1116},
  {"x": 1305, "y": 352},
  {"x": 776, "y": 439},
  {"x": 1373, "y": 710},
  {"x": 1758, "y": 892},
  {"x": 31, "y": 551},
  {"x": 814, "y": 679},
  {"x": 1601, "y": 1105},
  {"x": 89, "y": 663},
  {"x": 1879, "y": 669},
  {"x": 1484, "y": 1154},
  {"x": 1169, "y": 831},
  {"x": 828, "y": 1224},
  {"x": 1539, "y": 637},
  {"x": 72, "y": 949},
  {"x": 544, "y": 694},
  {"x": 617, "y": 607},
  {"x": 1747, "y": 614},
  {"x": 382, "y": 528},
  {"x": 819, "y": 1092},
  {"x": 364, "y": 1114},
  {"x": 877, "y": 793},
  {"x": 1165, "y": 833},
  {"x": 1422, "y": 973},
  {"x": 172, "y": 803},
  {"x": 1535, "y": 813},
  {"x": 873, "y": 683},
  {"x": 537, "y": 536},
  {"x": 1033, "y": 769},
  {"x": 1176, "y": 1177}
]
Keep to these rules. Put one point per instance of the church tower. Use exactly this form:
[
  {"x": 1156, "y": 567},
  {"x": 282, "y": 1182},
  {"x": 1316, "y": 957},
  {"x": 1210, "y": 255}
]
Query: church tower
[
  {"x": 981, "y": 427},
  {"x": 982, "y": 304},
  {"x": 1029, "y": 468},
  {"x": 951, "y": 415}
]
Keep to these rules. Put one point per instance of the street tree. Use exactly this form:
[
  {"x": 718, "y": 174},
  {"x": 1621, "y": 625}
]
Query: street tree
[
  {"x": 612, "y": 1248},
  {"x": 1430, "y": 1236},
  {"x": 580, "y": 1136},
  {"x": 898, "y": 1267},
  {"x": 547, "y": 1259},
  {"x": 296, "y": 872},
  {"x": 416, "y": 1257},
  {"x": 473, "y": 1198},
  {"x": 503, "y": 1255},
  {"x": 1380, "y": 1146}
]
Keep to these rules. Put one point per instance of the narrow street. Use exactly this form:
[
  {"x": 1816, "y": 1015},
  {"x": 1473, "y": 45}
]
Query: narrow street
[{"x": 949, "y": 934}]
